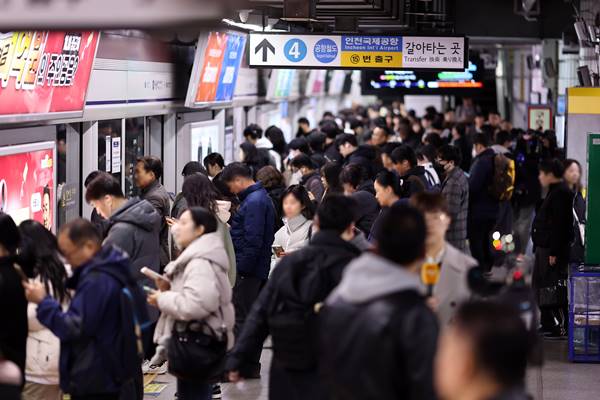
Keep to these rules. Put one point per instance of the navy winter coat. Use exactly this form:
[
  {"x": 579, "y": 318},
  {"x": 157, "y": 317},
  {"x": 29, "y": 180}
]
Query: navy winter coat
[
  {"x": 252, "y": 232},
  {"x": 482, "y": 206},
  {"x": 89, "y": 331}
]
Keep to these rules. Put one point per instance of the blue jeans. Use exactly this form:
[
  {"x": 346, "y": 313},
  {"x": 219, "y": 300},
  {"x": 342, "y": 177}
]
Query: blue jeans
[{"x": 191, "y": 390}]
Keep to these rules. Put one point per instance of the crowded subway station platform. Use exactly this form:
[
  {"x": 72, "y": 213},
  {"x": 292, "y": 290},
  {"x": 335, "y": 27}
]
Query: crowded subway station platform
[{"x": 300, "y": 199}]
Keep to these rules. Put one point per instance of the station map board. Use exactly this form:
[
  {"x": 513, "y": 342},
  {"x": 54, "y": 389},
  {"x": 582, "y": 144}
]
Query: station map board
[{"x": 288, "y": 50}]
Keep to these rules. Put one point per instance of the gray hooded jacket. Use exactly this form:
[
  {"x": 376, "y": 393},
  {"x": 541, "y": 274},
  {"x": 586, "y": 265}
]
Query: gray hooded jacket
[
  {"x": 370, "y": 276},
  {"x": 134, "y": 228}
]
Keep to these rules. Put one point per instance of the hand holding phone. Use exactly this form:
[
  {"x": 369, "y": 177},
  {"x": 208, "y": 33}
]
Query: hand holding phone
[
  {"x": 278, "y": 251},
  {"x": 153, "y": 274}
]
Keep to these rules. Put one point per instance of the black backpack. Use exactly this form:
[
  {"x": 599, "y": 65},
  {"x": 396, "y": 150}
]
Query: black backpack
[
  {"x": 292, "y": 323},
  {"x": 128, "y": 359}
]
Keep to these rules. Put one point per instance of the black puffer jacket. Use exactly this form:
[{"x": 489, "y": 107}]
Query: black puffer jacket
[
  {"x": 377, "y": 337},
  {"x": 367, "y": 157},
  {"x": 367, "y": 210},
  {"x": 293, "y": 279},
  {"x": 413, "y": 182}
]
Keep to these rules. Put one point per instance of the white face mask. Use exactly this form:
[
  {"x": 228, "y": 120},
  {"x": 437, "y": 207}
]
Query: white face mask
[{"x": 474, "y": 152}]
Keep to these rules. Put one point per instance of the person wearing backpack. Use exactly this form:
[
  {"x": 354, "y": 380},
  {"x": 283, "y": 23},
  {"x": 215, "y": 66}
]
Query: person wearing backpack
[
  {"x": 286, "y": 307},
  {"x": 503, "y": 184},
  {"x": 134, "y": 226},
  {"x": 100, "y": 348},
  {"x": 483, "y": 206},
  {"x": 197, "y": 293},
  {"x": 377, "y": 335},
  {"x": 412, "y": 176}
]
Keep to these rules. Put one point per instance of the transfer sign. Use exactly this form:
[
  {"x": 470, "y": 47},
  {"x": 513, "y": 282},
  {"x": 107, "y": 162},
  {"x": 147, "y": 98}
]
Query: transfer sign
[{"x": 283, "y": 50}]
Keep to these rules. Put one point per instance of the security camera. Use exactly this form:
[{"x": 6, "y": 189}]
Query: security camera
[{"x": 244, "y": 15}]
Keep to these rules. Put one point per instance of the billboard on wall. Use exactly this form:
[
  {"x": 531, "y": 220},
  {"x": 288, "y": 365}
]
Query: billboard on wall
[
  {"x": 216, "y": 66},
  {"x": 44, "y": 72},
  {"x": 27, "y": 183}
]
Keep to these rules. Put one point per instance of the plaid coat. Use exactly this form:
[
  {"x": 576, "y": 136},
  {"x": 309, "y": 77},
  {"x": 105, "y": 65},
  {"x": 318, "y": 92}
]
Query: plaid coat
[{"x": 455, "y": 189}]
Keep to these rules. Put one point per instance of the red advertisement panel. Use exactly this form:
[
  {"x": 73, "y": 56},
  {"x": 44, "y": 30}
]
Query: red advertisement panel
[
  {"x": 211, "y": 70},
  {"x": 27, "y": 186},
  {"x": 45, "y": 71}
]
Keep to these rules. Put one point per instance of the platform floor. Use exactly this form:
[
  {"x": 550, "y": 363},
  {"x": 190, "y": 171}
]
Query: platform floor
[{"x": 558, "y": 379}]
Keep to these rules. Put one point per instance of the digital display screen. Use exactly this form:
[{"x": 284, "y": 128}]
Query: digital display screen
[{"x": 407, "y": 81}]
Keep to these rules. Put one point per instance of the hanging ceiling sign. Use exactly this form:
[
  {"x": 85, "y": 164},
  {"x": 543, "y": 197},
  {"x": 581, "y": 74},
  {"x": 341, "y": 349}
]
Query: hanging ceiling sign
[
  {"x": 45, "y": 74},
  {"x": 277, "y": 50}
]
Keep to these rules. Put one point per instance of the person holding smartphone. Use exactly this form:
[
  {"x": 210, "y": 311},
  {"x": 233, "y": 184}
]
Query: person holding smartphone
[{"x": 298, "y": 211}]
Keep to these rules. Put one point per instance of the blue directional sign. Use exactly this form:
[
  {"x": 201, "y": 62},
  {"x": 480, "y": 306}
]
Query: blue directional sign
[{"x": 295, "y": 50}]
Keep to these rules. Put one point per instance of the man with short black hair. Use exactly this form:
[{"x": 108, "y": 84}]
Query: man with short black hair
[
  {"x": 378, "y": 316},
  {"x": 254, "y": 134},
  {"x": 132, "y": 225},
  {"x": 252, "y": 233},
  {"x": 303, "y": 127},
  {"x": 148, "y": 172},
  {"x": 311, "y": 179},
  {"x": 352, "y": 153},
  {"x": 362, "y": 191},
  {"x": 304, "y": 278},
  {"x": 97, "y": 359},
  {"x": 96, "y": 219},
  {"x": 483, "y": 207},
  {"x": 381, "y": 135},
  {"x": 214, "y": 164},
  {"x": 455, "y": 188},
  {"x": 411, "y": 174}
]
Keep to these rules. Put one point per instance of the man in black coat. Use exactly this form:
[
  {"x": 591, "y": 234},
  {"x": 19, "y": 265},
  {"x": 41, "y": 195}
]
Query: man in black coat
[
  {"x": 377, "y": 336},
  {"x": 483, "y": 207},
  {"x": 364, "y": 155},
  {"x": 311, "y": 179},
  {"x": 552, "y": 235},
  {"x": 362, "y": 191},
  {"x": 302, "y": 279},
  {"x": 412, "y": 175}
]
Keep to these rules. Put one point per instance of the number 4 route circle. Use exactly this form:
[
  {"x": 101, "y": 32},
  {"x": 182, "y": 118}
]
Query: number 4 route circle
[{"x": 295, "y": 50}]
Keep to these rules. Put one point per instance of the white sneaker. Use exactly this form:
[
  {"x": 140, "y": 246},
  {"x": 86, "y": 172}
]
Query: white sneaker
[{"x": 147, "y": 368}]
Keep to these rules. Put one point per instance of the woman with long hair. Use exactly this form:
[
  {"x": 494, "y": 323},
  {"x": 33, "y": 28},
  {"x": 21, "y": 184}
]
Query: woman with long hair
[
  {"x": 330, "y": 175},
  {"x": 198, "y": 293},
  {"x": 199, "y": 191},
  {"x": 298, "y": 212},
  {"x": 13, "y": 338},
  {"x": 39, "y": 256},
  {"x": 572, "y": 178},
  {"x": 250, "y": 157}
]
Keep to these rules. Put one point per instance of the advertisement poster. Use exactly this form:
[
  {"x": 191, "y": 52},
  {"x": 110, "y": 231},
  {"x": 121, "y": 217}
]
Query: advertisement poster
[
  {"x": 211, "y": 69},
  {"x": 216, "y": 67},
  {"x": 204, "y": 140},
  {"x": 44, "y": 72},
  {"x": 231, "y": 65},
  {"x": 27, "y": 183}
]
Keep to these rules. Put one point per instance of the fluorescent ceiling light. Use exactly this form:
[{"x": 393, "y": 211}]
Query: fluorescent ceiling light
[{"x": 251, "y": 27}]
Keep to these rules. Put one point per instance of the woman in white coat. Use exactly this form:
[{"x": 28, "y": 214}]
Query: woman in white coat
[
  {"x": 199, "y": 289},
  {"x": 39, "y": 257},
  {"x": 298, "y": 211}
]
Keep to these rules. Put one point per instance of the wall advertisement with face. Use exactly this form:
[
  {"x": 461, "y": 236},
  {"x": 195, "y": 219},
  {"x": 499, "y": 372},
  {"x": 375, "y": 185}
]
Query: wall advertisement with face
[{"x": 27, "y": 182}]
